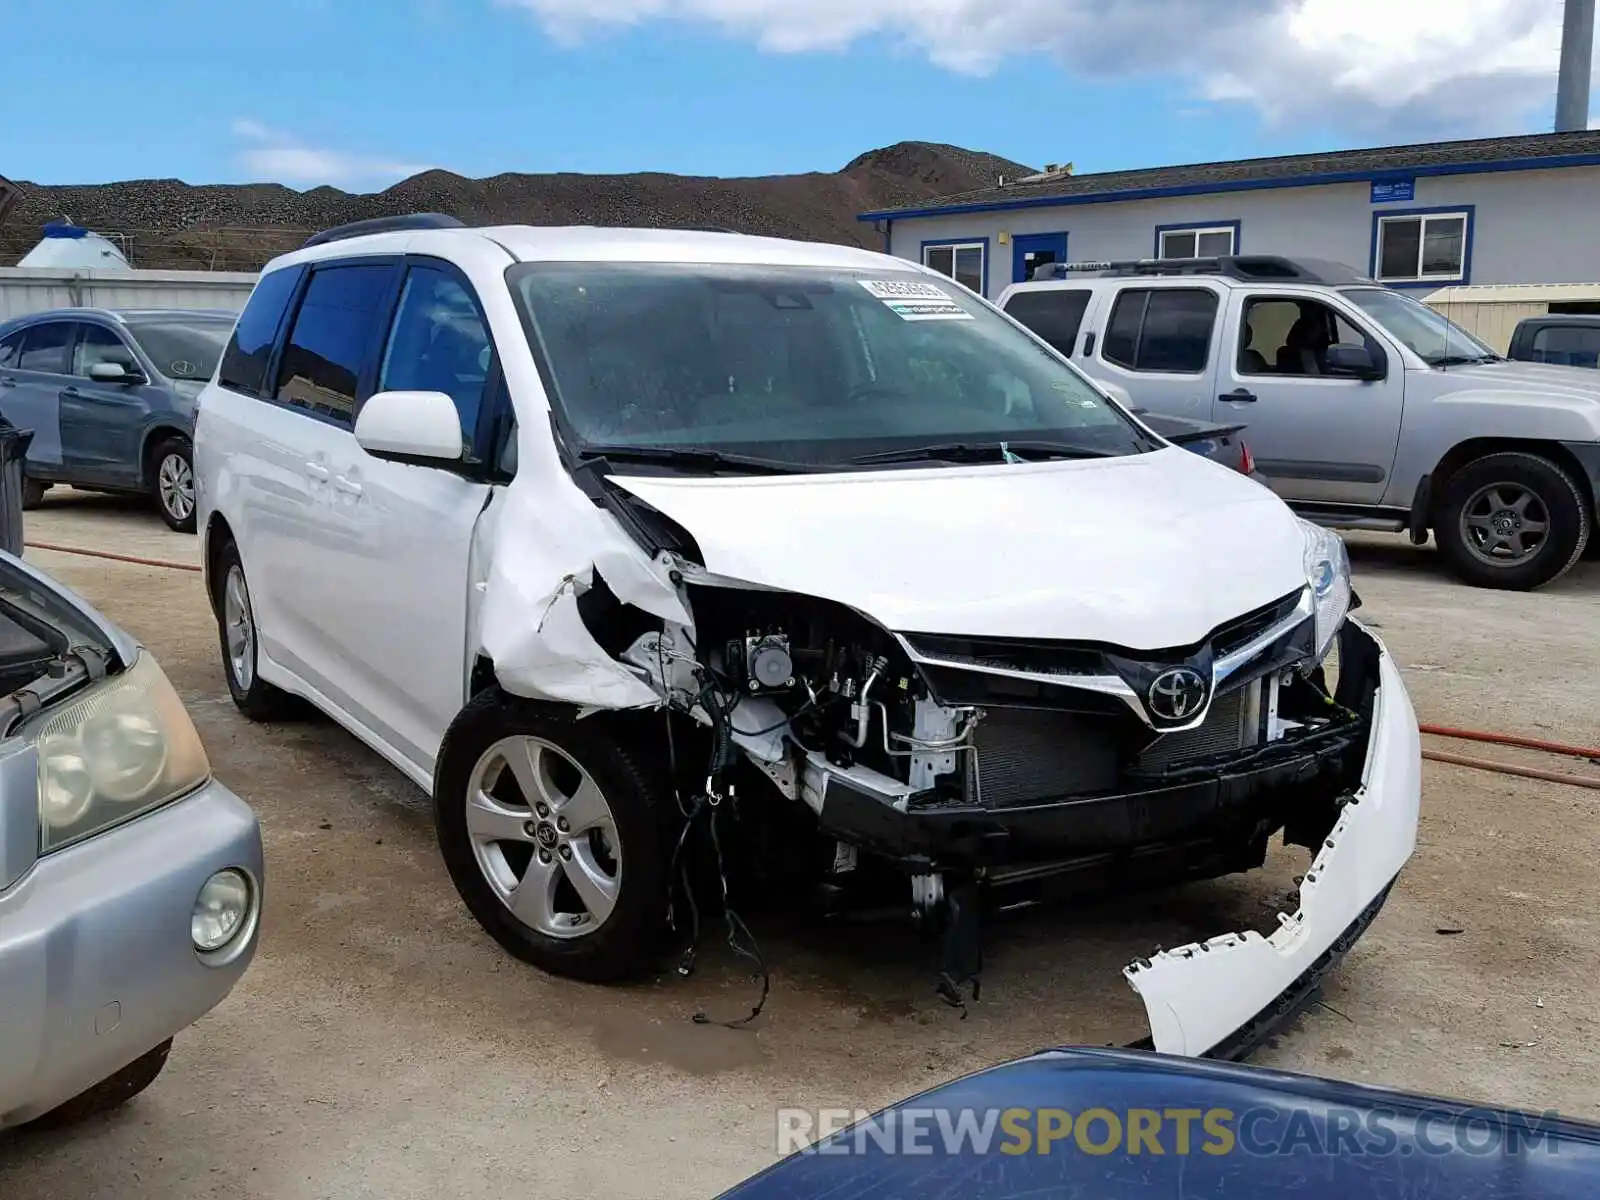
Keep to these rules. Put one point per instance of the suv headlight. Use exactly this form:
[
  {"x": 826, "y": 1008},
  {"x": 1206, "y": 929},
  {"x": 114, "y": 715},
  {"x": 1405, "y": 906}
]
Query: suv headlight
[
  {"x": 117, "y": 750},
  {"x": 1328, "y": 575}
]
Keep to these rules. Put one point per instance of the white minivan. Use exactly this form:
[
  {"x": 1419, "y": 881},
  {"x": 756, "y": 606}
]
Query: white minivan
[{"x": 642, "y": 549}]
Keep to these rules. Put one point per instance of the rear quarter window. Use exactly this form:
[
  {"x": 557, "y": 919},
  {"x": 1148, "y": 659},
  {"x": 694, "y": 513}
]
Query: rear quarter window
[
  {"x": 1054, "y": 315},
  {"x": 244, "y": 362}
]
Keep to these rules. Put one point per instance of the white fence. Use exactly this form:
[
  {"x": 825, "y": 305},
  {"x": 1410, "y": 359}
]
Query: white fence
[{"x": 26, "y": 290}]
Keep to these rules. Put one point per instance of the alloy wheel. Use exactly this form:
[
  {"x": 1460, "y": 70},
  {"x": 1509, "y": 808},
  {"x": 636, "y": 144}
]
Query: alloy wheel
[
  {"x": 544, "y": 837},
  {"x": 175, "y": 486},
  {"x": 1504, "y": 523},
  {"x": 239, "y": 628}
]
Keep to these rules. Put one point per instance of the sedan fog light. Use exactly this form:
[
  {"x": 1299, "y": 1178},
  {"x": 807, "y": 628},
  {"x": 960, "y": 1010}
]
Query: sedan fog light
[{"x": 220, "y": 910}]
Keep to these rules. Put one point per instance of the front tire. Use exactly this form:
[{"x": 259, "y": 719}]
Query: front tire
[
  {"x": 557, "y": 839},
  {"x": 111, "y": 1092},
  {"x": 241, "y": 643},
  {"x": 172, "y": 482},
  {"x": 1513, "y": 521}
]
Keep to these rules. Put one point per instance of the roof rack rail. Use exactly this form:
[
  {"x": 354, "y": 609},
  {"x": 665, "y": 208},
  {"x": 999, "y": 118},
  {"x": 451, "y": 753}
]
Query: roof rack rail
[
  {"x": 356, "y": 229},
  {"x": 1251, "y": 268}
]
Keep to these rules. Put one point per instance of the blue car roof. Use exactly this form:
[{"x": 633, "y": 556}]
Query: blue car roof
[{"x": 1126, "y": 1125}]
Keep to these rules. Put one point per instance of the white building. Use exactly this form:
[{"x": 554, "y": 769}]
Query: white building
[{"x": 1517, "y": 210}]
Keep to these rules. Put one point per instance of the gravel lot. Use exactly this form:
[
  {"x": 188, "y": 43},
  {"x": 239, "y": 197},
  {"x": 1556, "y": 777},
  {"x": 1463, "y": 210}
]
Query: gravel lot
[{"x": 382, "y": 1047}]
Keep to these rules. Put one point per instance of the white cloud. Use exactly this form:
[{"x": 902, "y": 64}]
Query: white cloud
[
  {"x": 281, "y": 158},
  {"x": 1429, "y": 68}
]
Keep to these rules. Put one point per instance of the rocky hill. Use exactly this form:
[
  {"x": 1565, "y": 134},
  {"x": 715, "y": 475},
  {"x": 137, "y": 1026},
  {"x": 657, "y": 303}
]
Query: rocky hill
[{"x": 168, "y": 223}]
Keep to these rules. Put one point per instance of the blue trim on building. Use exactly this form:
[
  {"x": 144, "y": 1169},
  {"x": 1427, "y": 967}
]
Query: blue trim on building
[
  {"x": 922, "y": 255},
  {"x": 1021, "y": 243},
  {"x": 1552, "y": 162},
  {"x": 1383, "y": 214},
  {"x": 1235, "y": 225}
]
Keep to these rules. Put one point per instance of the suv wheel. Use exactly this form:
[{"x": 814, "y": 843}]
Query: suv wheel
[
  {"x": 109, "y": 1093},
  {"x": 1513, "y": 521},
  {"x": 172, "y": 482},
  {"x": 557, "y": 840},
  {"x": 241, "y": 645}
]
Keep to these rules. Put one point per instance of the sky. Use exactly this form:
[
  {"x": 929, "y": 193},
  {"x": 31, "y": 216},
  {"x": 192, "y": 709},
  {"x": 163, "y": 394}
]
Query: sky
[{"x": 361, "y": 93}]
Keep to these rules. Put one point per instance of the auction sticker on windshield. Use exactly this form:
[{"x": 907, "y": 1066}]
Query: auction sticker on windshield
[{"x": 913, "y": 300}]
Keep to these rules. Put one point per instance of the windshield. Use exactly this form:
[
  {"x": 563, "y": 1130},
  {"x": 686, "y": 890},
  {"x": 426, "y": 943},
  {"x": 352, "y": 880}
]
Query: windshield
[
  {"x": 808, "y": 366},
  {"x": 1433, "y": 337},
  {"x": 182, "y": 347}
]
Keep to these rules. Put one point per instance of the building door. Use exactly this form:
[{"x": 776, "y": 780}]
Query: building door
[{"x": 1030, "y": 251}]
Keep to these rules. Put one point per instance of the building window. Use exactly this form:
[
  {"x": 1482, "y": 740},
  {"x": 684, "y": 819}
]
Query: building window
[
  {"x": 1197, "y": 241},
  {"x": 1422, "y": 247},
  {"x": 962, "y": 261}
]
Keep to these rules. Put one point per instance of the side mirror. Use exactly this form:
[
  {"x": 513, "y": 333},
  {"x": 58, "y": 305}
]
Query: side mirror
[
  {"x": 115, "y": 372},
  {"x": 416, "y": 427},
  {"x": 1347, "y": 358}
]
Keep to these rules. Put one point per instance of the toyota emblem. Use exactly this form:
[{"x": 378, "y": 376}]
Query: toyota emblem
[{"x": 1177, "y": 694}]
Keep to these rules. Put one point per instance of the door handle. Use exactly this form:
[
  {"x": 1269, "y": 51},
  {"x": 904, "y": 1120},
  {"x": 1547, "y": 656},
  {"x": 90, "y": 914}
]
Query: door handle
[
  {"x": 1238, "y": 396},
  {"x": 8, "y": 382},
  {"x": 1088, "y": 345},
  {"x": 349, "y": 486},
  {"x": 317, "y": 471},
  {"x": 69, "y": 391}
]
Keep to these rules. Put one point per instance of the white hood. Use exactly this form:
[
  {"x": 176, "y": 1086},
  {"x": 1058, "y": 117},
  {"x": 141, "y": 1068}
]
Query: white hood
[{"x": 1148, "y": 551}]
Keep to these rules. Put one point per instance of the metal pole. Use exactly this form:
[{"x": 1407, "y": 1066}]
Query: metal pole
[{"x": 1577, "y": 60}]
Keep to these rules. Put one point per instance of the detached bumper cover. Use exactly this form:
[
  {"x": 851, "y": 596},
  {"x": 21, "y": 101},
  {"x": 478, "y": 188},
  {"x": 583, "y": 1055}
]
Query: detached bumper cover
[
  {"x": 96, "y": 962},
  {"x": 1221, "y": 996}
]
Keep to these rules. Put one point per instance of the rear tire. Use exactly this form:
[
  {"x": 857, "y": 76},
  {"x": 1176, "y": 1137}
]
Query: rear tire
[
  {"x": 111, "y": 1092},
  {"x": 1513, "y": 521},
  {"x": 172, "y": 482},
  {"x": 241, "y": 643},
  {"x": 33, "y": 491},
  {"x": 618, "y": 844}
]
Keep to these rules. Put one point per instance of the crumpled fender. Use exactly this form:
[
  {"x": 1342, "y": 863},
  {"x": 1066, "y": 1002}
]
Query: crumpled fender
[{"x": 546, "y": 547}]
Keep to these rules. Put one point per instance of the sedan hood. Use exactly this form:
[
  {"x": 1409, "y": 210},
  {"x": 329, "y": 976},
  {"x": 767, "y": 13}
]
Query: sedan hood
[{"x": 1149, "y": 552}]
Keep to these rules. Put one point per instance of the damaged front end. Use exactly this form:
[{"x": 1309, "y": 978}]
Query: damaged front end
[{"x": 990, "y": 765}]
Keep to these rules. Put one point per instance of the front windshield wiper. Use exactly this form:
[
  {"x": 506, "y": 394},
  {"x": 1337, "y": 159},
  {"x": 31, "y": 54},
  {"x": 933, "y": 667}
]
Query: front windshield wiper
[
  {"x": 695, "y": 457},
  {"x": 1463, "y": 360},
  {"x": 981, "y": 452}
]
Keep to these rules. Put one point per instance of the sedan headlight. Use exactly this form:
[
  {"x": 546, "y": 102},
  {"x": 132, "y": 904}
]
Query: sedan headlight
[
  {"x": 121, "y": 748},
  {"x": 1328, "y": 575}
]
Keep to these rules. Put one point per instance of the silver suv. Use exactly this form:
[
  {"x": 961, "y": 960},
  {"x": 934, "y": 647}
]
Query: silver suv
[{"x": 1365, "y": 408}]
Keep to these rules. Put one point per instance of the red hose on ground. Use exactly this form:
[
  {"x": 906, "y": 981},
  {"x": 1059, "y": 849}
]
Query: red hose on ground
[
  {"x": 127, "y": 558},
  {"x": 1483, "y": 764},
  {"x": 1507, "y": 739}
]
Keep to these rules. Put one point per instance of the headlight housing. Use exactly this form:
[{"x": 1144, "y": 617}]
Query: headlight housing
[
  {"x": 1328, "y": 576},
  {"x": 116, "y": 751}
]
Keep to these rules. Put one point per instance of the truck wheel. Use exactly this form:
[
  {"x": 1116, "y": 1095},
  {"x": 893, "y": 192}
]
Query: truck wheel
[
  {"x": 1512, "y": 520},
  {"x": 109, "y": 1093},
  {"x": 556, "y": 838},
  {"x": 172, "y": 482},
  {"x": 241, "y": 643}
]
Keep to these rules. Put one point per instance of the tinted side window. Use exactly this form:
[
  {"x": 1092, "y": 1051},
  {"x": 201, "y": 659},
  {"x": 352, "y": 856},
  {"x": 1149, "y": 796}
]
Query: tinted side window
[
  {"x": 1569, "y": 345},
  {"x": 97, "y": 344},
  {"x": 438, "y": 344},
  {"x": 45, "y": 348},
  {"x": 1162, "y": 329},
  {"x": 11, "y": 349},
  {"x": 244, "y": 362},
  {"x": 1053, "y": 315},
  {"x": 335, "y": 331}
]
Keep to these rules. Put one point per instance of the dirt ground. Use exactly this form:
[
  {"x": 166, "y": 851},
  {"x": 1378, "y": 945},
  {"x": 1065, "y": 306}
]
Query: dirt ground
[{"x": 381, "y": 1046}]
